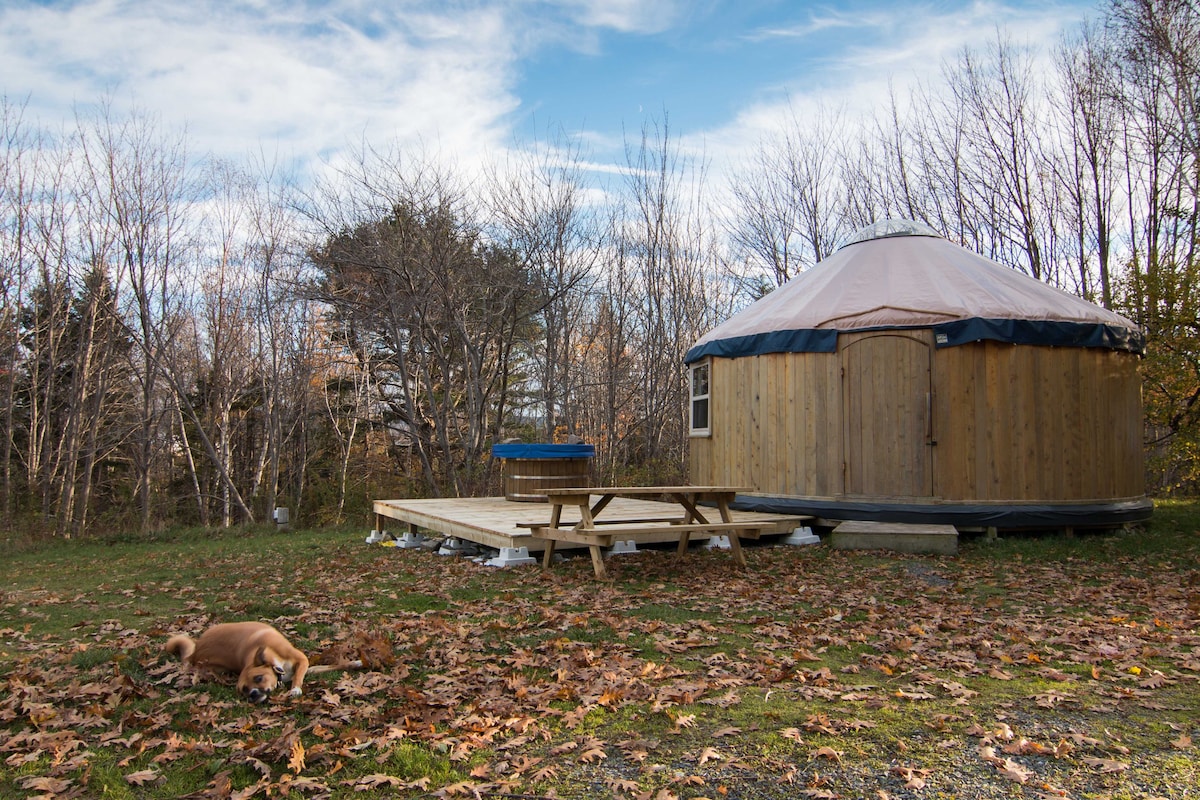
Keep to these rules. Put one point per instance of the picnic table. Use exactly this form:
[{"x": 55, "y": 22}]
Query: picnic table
[{"x": 597, "y": 531}]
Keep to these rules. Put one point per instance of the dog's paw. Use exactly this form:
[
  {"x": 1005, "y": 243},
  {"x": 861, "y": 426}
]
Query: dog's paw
[{"x": 296, "y": 692}]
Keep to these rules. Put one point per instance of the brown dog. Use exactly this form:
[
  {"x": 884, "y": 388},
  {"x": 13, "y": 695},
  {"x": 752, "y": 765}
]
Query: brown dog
[{"x": 259, "y": 655}]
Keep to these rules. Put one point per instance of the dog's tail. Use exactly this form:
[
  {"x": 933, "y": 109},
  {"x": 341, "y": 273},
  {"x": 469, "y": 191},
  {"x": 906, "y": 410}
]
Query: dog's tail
[
  {"x": 317, "y": 669},
  {"x": 180, "y": 645}
]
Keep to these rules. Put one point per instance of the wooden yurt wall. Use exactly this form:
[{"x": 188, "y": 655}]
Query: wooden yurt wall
[
  {"x": 1012, "y": 423},
  {"x": 1029, "y": 424},
  {"x": 776, "y": 425}
]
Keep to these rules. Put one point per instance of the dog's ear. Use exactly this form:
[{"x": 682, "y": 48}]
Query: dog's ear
[{"x": 260, "y": 657}]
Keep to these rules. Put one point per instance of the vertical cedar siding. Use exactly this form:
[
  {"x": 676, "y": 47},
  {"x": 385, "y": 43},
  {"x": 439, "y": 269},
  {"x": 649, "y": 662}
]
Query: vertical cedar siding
[{"x": 1013, "y": 423}]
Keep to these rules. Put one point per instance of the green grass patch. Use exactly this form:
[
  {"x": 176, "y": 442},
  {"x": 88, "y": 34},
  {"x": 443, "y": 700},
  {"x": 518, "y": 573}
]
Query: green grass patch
[{"x": 813, "y": 670}]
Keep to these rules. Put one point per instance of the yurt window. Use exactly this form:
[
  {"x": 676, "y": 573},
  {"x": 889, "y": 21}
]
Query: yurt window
[{"x": 699, "y": 381}]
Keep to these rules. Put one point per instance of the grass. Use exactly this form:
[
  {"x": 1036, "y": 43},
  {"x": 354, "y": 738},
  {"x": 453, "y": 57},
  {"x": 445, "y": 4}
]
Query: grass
[{"x": 1038, "y": 665}]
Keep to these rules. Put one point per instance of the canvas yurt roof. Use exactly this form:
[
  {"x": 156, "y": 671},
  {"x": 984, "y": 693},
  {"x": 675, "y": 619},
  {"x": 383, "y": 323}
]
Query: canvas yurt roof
[{"x": 902, "y": 274}]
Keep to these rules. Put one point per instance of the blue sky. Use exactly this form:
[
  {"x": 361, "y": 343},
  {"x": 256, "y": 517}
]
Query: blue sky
[{"x": 468, "y": 78}]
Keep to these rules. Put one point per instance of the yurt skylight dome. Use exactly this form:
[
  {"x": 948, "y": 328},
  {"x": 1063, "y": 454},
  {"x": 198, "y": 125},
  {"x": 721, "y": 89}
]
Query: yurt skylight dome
[{"x": 885, "y": 228}]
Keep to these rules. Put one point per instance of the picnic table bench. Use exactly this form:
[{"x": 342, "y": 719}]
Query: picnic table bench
[{"x": 597, "y": 533}]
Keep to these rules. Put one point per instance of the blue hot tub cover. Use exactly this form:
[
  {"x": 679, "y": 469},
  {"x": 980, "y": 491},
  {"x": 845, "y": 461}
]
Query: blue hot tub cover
[{"x": 543, "y": 451}]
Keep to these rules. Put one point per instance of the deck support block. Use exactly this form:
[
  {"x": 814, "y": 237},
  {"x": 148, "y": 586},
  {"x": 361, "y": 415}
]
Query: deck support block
[
  {"x": 622, "y": 547},
  {"x": 900, "y": 537},
  {"x": 801, "y": 536}
]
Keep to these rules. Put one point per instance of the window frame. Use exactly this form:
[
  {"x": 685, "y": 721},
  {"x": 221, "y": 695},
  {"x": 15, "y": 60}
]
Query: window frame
[{"x": 694, "y": 397}]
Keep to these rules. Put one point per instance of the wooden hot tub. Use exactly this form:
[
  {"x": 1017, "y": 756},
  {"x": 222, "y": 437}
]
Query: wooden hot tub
[{"x": 530, "y": 469}]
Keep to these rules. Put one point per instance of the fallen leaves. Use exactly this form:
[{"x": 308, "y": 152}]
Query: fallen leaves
[
  {"x": 142, "y": 777},
  {"x": 913, "y": 777},
  {"x": 517, "y": 695},
  {"x": 827, "y": 753},
  {"x": 1007, "y": 767},
  {"x": 1105, "y": 764}
]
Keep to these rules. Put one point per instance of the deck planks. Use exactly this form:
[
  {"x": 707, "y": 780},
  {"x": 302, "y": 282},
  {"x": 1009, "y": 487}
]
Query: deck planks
[{"x": 496, "y": 522}]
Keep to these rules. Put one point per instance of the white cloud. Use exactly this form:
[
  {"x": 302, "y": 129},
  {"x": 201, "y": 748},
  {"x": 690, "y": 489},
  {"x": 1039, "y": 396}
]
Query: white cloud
[
  {"x": 239, "y": 75},
  {"x": 626, "y": 16},
  {"x": 309, "y": 79},
  {"x": 878, "y": 53}
]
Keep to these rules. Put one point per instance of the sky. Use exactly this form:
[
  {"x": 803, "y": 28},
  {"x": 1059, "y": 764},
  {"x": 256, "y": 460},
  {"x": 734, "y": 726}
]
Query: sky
[{"x": 465, "y": 79}]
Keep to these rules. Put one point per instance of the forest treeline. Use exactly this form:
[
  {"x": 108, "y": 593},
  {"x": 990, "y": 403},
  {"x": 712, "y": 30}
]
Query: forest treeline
[{"x": 185, "y": 340}]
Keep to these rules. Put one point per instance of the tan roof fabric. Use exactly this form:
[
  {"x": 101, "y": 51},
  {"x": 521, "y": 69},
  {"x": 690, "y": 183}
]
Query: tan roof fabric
[{"x": 915, "y": 281}]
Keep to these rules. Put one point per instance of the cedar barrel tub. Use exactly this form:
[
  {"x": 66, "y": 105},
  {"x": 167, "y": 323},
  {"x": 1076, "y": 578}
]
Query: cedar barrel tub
[{"x": 530, "y": 469}]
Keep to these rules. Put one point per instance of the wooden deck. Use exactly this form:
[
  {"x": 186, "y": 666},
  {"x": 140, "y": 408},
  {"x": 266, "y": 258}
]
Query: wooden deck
[{"x": 495, "y": 522}]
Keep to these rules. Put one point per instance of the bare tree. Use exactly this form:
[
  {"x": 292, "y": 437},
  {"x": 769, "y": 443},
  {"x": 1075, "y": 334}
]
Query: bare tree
[
  {"x": 1158, "y": 42},
  {"x": 665, "y": 233},
  {"x": 227, "y": 380},
  {"x": 611, "y": 385},
  {"x": 403, "y": 266},
  {"x": 18, "y": 163},
  {"x": 46, "y": 328},
  {"x": 142, "y": 178},
  {"x": 538, "y": 213},
  {"x": 1087, "y": 167},
  {"x": 274, "y": 254},
  {"x": 1001, "y": 112},
  {"x": 789, "y": 210}
]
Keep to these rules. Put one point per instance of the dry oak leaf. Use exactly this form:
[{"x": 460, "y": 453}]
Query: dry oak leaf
[
  {"x": 914, "y": 778},
  {"x": 142, "y": 777},
  {"x": 1014, "y": 771},
  {"x": 463, "y": 788},
  {"x": 1082, "y": 738},
  {"x": 663, "y": 794},
  {"x": 565, "y": 747},
  {"x": 1184, "y": 742},
  {"x": 683, "y": 721},
  {"x": 1024, "y": 747},
  {"x": 44, "y": 783},
  {"x": 296, "y": 761},
  {"x": 730, "y": 698},
  {"x": 793, "y": 734},
  {"x": 523, "y": 764},
  {"x": 709, "y": 754},
  {"x": 1106, "y": 764},
  {"x": 304, "y": 785},
  {"x": 593, "y": 752},
  {"x": 829, "y": 753},
  {"x": 1154, "y": 680},
  {"x": 621, "y": 785},
  {"x": 375, "y": 781},
  {"x": 1008, "y": 768},
  {"x": 546, "y": 773}
]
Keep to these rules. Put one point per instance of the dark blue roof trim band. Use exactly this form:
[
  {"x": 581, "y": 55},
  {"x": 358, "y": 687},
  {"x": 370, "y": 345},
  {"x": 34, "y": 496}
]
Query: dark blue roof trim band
[
  {"x": 1039, "y": 332},
  {"x": 811, "y": 340},
  {"x": 946, "y": 334}
]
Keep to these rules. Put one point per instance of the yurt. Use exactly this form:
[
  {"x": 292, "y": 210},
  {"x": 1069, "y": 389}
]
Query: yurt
[{"x": 907, "y": 379}]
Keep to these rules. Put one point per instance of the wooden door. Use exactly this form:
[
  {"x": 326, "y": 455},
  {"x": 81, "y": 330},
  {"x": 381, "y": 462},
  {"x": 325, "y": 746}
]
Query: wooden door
[{"x": 887, "y": 403}]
